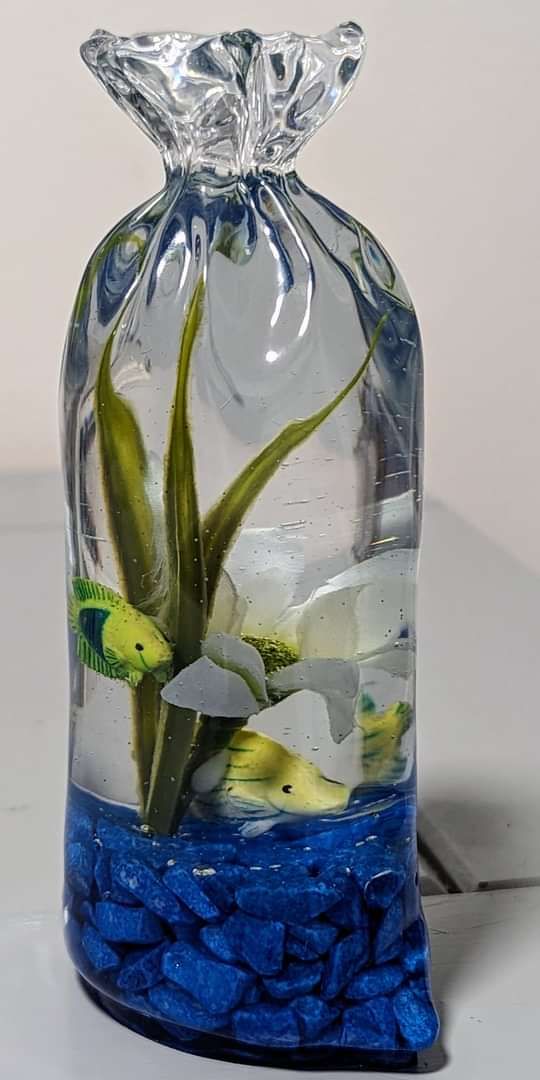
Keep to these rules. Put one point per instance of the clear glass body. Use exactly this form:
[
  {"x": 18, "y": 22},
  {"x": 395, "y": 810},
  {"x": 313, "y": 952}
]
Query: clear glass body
[{"x": 241, "y": 402}]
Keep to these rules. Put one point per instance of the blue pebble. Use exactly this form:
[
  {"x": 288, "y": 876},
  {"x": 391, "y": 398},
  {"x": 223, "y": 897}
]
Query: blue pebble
[
  {"x": 182, "y": 883},
  {"x": 141, "y": 882},
  {"x": 106, "y": 889},
  {"x": 375, "y": 981},
  {"x": 293, "y": 903},
  {"x": 177, "y": 1006},
  {"x": 314, "y": 1014},
  {"x": 266, "y": 1025},
  {"x": 184, "y": 932},
  {"x": 79, "y": 825},
  {"x": 300, "y": 952},
  {"x": 343, "y": 962},
  {"x": 186, "y": 920},
  {"x": 100, "y": 955},
  {"x": 371, "y": 1026},
  {"x": 331, "y": 1036},
  {"x": 259, "y": 944},
  {"x": 129, "y": 841},
  {"x": 102, "y": 875},
  {"x": 388, "y": 938},
  {"x": 416, "y": 1017},
  {"x": 220, "y": 887},
  {"x": 295, "y": 980},
  {"x": 86, "y": 912},
  {"x": 135, "y": 925},
  {"x": 217, "y": 942},
  {"x": 350, "y": 913},
  {"x": 137, "y": 1001},
  {"x": 140, "y": 970},
  {"x": 80, "y": 867},
  {"x": 217, "y": 987},
  {"x": 416, "y": 951},
  {"x": 319, "y": 936},
  {"x": 382, "y": 888}
]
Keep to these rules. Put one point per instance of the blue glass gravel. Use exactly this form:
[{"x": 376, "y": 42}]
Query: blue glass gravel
[
  {"x": 129, "y": 841},
  {"x": 135, "y": 925},
  {"x": 267, "y": 1025},
  {"x": 101, "y": 956},
  {"x": 293, "y": 903},
  {"x": 182, "y": 883},
  {"x": 138, "y": 880},
  {"x": 216, "y": 986},
  {"x": 337, "y": 968},
  {"x": 416, "y": 950},
  {"x": 416, "y": 1017},
  {"x": 260, "y": 944},
  {"x": 216, "y": 940},
  {"x": 371, "y": 1026},
  {"x": 173, "y": 1003},
  {"x": 343, "y": 962},
  {"x": 314, "y": 1015},
  {"x": 79, "y": 826},
  {"x": 376, "y": 981},
  {"x": 317, "y": 937},
  {"x": 80, "y": 867},
  {"x": 389, "y": 934},
  {"x": 141, "y": 970},
  {"x": 295, "y": 980}
]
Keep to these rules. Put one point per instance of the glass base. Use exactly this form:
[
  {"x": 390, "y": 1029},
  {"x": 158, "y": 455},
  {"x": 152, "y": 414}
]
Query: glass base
[{"x": 221, "y": 1048}]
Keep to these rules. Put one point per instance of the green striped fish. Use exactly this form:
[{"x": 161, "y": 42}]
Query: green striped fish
[
  {"x": 382, "y": 759},
  {"x": 255, "y": 776},
  {"x": 114, "y": 638}
]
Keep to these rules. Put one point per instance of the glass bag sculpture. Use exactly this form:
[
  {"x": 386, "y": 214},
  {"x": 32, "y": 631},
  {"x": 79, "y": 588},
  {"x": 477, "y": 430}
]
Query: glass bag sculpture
[{"x": 242, "y": 437}]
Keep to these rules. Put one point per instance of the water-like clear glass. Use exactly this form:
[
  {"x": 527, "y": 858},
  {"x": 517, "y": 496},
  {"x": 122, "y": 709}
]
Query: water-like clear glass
[{"x": 242, "y": 434}]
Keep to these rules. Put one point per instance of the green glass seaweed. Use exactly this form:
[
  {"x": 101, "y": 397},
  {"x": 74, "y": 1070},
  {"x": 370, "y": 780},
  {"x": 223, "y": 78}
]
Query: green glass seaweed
[
  {"x": 124, "y": 471},
  {"x": 186, "y": 606}
]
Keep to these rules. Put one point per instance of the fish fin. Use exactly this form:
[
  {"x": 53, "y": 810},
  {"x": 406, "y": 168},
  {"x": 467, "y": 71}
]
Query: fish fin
[
  {"x": 88, "y": 656},
  {"x": 84, "y": 590},
  {"x": 123, "y": 671},
  {"x": 132, "y": 677},
  {"x": 252, "y": 829},
  {"x": 73, "y": 613}
]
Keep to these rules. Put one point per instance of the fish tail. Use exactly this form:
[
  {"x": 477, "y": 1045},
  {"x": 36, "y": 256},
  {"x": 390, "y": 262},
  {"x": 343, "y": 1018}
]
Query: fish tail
[{"x": 73, "y": 612}]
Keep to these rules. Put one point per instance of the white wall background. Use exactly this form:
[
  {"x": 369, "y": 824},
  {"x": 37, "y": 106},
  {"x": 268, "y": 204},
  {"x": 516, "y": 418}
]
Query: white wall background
[{"x": 437, "y": 150}]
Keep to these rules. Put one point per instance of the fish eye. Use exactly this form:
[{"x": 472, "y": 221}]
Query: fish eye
[
  {"x": 286, "y": 789},
  {"x": 139, "y": 647}
]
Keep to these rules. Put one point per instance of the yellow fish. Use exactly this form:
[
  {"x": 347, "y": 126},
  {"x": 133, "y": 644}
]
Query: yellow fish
[
  {"x": 255, "y": 776},
  {"x": 113, "y": 637},
  {"x": 381, "y": 744}
]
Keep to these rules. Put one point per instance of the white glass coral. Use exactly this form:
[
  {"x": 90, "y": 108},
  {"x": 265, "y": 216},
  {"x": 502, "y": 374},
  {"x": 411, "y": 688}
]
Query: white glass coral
[{"x": 262, "y": 647}]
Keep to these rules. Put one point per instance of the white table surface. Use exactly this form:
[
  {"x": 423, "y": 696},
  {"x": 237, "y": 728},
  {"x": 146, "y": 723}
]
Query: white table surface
[
  {"x": 486, "y": 959},
  {"x": 478, "y": 726}
]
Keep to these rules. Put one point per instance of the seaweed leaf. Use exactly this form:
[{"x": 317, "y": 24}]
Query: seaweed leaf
[
  {"x": 124, "y": 473},
  {"x": 224, "y": 519},
  {"x": 186, "y": 606},
  {"x": 186, "y": 615},
  {"x": 124, "y": 470}
]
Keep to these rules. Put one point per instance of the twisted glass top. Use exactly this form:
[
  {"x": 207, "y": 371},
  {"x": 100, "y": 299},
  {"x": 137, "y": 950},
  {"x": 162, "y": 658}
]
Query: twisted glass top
[{"x": 233, "y": 102}]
